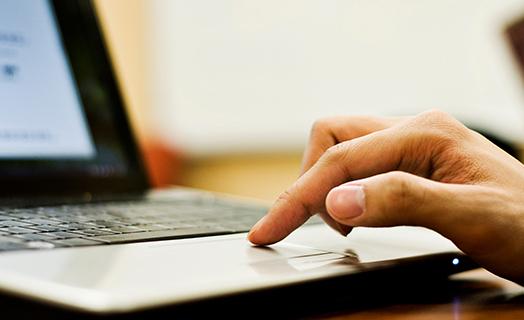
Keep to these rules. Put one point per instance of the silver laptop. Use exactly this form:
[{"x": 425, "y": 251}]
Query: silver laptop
[{"x": 79, "y": 227}]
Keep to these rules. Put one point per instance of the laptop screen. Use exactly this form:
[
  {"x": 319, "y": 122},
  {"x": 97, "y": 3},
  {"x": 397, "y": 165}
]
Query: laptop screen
[
  {"x": 42, "y": 115},
  {"x": 62, "y": 125}
]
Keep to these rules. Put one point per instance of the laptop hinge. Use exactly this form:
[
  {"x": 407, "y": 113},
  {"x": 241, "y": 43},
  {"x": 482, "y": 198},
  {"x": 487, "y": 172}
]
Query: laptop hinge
[{"x": 84, "y": 198}]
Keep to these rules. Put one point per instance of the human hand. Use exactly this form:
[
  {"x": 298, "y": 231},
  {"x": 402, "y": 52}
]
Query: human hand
[{"x": 428, "y": 170}]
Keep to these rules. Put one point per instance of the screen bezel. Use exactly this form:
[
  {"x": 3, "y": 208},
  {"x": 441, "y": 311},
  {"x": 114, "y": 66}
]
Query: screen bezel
[{"x": 77, "y": 18}]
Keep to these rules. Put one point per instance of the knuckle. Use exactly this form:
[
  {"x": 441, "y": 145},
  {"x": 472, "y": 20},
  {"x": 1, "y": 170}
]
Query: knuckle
[
  {"x": 335, "y": 154},
  {"x": 441, "y": 120},
  {"x": 398, "y": 192},
  {"x": 335, "y": 158},
  {"x": 320, "y": 126},
  {"x": 436, "y": 115},
  {"x": 328, "y": 125},
  {"x": 405, "y": 199},
  {"x": 289, "y": 197},
  {"x": 284, "y": 196},
  {"x": 440, "y": 127}
]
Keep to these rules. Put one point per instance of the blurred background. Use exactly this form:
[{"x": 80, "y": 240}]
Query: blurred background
[{"x": 222, "y": 93}]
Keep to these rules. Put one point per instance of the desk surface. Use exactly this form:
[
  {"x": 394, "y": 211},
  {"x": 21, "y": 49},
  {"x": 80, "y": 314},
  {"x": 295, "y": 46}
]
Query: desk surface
[{"x": 471, "y": 295}]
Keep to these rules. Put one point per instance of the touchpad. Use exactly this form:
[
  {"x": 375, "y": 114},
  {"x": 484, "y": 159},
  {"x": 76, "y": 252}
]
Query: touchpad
[{"x": 288, "y": 258}]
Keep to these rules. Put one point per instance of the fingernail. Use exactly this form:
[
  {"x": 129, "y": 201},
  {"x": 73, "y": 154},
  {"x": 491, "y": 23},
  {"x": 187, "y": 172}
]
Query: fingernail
[{"x": 346, "y": 201}]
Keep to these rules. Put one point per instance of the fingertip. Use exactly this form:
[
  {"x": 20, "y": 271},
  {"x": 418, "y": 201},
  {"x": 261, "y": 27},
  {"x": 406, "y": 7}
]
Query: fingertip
[
  {"x": 255, "y": 239},
  {"x": 252, "y": 236},
  {"x": 259, "y": 239},
  {"x": 260, "y": 233},
  {"x": 283, "y": 218}
]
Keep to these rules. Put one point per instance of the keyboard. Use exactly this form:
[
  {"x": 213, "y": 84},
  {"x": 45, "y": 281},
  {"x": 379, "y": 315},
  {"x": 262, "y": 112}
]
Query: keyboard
[{"x": 122, "y": 222}]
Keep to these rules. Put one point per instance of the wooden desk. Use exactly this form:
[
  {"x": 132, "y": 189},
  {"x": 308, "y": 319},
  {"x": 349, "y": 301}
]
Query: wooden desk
[{"x": 472, "y": 295}]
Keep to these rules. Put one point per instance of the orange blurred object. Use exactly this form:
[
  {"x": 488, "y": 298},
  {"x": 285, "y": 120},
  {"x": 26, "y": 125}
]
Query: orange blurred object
[{"x": 163, "y": 164}]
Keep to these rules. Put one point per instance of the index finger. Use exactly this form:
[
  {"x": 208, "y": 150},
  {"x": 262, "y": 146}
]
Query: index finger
[
  {"x": 328, "y": 132},
  {"x": 355, "y": 159}
]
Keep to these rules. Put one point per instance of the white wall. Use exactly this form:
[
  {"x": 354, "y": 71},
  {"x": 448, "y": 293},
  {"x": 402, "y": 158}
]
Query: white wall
[
  {"x": 126, "y": 28},
  {"x": 237, "y": 75}
]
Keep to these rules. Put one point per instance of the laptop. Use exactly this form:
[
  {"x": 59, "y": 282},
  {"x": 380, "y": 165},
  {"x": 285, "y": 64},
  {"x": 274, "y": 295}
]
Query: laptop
[{"x": 81, "y": 229}]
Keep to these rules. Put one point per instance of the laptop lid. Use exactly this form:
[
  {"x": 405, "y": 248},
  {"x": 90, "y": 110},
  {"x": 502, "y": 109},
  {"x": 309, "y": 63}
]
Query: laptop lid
[{"x": 63, "y": 128}]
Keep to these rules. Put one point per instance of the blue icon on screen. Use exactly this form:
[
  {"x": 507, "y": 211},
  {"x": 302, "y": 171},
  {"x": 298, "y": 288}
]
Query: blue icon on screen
[{"x": 9, "y": 71}]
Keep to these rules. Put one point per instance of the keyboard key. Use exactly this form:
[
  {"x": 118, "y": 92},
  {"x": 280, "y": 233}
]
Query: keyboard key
[
  {"x": 36, "y": 237},
  {"x": 46, "y": 228},
  {"x": 62, "y": 235},
  {"x": 5, "y": 246},
  {"x": 72, "y": 226},
  {"x": 14, "y": 223},
  {"x": 109, "y": 224},
  {"x": 127, "y": 229},
  {"x": 40, "y": 245},
  {"x": 74, "y": 242},
  {"x": 95, "y": 232},
  {"x": 23, "y": 215},
  {"x": 155, "y": 227},
  {"x": 19, "y": 230},
  {"x": 9, "y": 239},
  {"x": 40, "y": 221},
  {"x": 73, "y": 219}
]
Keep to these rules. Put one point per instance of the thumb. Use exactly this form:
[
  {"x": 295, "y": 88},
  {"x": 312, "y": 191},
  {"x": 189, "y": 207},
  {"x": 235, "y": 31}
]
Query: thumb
[{"x": 400, "y": 198}]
